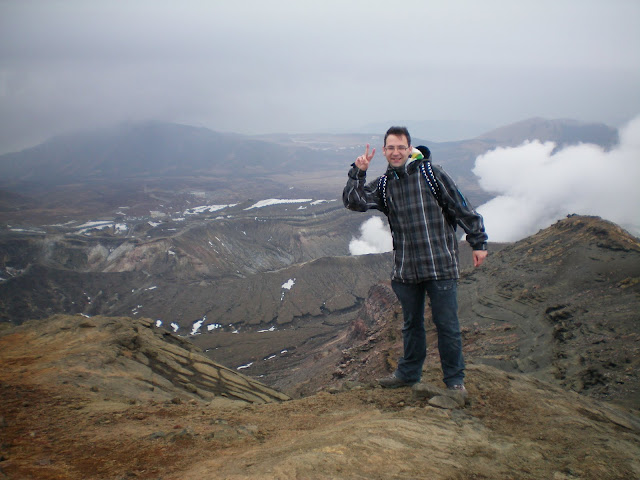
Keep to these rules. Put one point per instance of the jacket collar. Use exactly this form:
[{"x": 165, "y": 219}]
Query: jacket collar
[{"x": 409, "y": 168}]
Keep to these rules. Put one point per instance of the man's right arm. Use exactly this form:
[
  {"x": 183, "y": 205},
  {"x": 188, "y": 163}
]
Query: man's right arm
[{"x": 358, "y": 195}]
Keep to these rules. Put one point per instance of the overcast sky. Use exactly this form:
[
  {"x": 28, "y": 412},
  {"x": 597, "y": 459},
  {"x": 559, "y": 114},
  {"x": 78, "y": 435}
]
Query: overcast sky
[{"x": 309, "y": 66}]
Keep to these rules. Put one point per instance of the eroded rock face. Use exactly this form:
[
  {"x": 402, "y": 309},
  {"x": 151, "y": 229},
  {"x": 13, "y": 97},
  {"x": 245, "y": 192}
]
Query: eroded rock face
[
  {"x": 562, "y": 305},
  {"x": 181, "y": 271},
  {"x": 125, "y": 359}
]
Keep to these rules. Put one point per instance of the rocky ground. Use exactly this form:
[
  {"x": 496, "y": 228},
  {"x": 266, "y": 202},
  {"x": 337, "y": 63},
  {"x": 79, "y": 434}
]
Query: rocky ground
[
  {"x": 561, "y": 305},
  {"x": 116, "y": 398},
  {"x": 514, "y": 427},
  {"x": 181, "y": 271}
]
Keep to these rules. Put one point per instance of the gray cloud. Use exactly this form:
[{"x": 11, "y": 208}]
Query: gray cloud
[{"x": 255, "y": 67}]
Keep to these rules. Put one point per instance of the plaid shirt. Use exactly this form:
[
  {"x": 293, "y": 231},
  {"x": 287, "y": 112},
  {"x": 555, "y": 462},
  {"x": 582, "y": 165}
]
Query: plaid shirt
[{"x": 424, "y": 244}]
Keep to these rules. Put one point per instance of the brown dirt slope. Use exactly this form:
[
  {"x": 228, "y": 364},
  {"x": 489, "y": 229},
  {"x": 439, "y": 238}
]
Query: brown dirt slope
[
  {"x": 120, "y": 359},
  {"x": 515, "y": 427}
]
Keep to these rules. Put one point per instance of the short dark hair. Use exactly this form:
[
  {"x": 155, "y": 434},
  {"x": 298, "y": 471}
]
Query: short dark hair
[{"x": 397, "y": 131}]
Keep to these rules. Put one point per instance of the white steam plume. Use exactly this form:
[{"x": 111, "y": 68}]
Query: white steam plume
[
  {"x": 375, "y": 237},
  {"x": 537, "y": 187}
]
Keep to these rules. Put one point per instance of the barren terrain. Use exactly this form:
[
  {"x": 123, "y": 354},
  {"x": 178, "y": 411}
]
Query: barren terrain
[{"x": 513, "y": 427}]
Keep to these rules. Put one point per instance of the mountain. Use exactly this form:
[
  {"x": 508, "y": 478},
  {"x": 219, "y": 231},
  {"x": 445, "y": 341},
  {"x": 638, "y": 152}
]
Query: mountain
[
  {"x": 152, "y": 152},
  {"x": 560, "y": 306},
  {"x": 459, "y": 157},
  {"x": 142, "y": 150},
  {"x": 561, "y": 131}
]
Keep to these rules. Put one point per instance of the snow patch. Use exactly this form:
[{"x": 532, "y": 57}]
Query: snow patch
[
  {"x": 196, "y": 326},
  {"x": 287, "y": 286},
  {"x": 207, "y": 208},
  {"x": 277, "y": 201}
]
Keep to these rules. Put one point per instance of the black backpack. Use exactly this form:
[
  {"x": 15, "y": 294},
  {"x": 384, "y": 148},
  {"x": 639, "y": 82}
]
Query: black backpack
[{"x": 434, "y": 186}]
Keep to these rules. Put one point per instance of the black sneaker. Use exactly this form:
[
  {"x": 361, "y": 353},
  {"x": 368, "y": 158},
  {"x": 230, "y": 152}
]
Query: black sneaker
[
  {"x": 394, "y": 382},
  {"x": 458, "y": 388}
]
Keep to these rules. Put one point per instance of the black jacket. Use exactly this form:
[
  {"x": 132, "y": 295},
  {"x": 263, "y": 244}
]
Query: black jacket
[{"x": 424, "y": 242}]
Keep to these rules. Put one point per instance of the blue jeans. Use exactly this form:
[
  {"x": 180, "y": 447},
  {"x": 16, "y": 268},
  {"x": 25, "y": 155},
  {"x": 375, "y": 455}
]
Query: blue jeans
[{"x": 444, "y": 310}]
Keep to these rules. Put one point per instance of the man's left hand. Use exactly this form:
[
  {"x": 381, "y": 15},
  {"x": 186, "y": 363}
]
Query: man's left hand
[{"x": 478, "y": 257}]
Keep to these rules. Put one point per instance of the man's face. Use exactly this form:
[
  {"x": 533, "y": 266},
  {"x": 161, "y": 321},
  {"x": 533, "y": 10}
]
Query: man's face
[{"x": 397, "y": 150}]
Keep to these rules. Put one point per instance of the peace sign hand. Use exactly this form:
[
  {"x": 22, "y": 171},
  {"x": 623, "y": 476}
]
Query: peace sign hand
[{"x": 362, "y": 162}]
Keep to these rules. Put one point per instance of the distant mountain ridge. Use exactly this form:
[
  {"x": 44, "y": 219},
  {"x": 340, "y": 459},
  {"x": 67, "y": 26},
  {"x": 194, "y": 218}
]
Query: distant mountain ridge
[
  {"x": 154, "y": 149},
  {"x": 459, "y": 157},
  {"x": 148, "y": 150},
  {"x": 562, "y": 131}
]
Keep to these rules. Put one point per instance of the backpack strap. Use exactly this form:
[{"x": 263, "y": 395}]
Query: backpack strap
[
  {"x": 382, "y": 188},
  {"x": 434, "y": 186},
  {"x": 432, "y": 182}
]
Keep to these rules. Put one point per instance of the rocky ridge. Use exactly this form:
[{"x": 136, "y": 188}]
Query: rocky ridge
[
  {"x": 121, "y": 359},
  {"x": 561, "y": 305}
]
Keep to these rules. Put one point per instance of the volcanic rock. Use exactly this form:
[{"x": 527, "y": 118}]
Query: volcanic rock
[{"x": 123, "y": 359}]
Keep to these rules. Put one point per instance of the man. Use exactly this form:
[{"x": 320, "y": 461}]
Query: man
[{"x": 425, "y": 250}]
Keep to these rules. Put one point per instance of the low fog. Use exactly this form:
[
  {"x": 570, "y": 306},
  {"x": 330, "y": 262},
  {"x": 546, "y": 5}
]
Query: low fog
[{"x": 535, "y": 186}]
